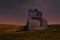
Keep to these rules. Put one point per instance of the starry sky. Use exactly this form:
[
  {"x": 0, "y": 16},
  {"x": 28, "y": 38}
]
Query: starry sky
[{"x": 16, "y": 11}]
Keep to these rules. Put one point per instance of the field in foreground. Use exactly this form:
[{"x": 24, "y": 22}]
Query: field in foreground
[{"x": 9, "y": 33}]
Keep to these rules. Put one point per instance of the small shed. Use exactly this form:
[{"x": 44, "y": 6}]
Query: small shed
[{"x": 35, "y": 20}]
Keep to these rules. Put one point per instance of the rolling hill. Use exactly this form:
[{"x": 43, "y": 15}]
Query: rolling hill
[{"x": 8, "y": 32}]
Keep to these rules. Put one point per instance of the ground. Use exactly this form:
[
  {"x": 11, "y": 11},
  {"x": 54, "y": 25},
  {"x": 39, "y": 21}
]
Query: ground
[{"x": 8, "y": 32}]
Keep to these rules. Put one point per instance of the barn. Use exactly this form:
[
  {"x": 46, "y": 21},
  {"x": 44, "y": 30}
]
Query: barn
[{"x": 35, "y": 20}]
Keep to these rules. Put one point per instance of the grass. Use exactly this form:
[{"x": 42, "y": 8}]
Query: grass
[{"x": 9, "y": 33}]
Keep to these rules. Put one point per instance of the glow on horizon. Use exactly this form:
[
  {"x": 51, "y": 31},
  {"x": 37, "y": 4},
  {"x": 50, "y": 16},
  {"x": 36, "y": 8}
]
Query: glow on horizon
[{"x": 22, "y": 23}]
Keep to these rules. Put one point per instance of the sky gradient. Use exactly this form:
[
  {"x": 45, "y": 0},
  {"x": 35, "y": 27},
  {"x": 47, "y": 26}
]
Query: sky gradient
[{"x": 16, "y": 11}]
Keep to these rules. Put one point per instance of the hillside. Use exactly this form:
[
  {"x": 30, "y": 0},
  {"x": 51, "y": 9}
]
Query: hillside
[
  {"x": 9, "y": 33},
  {"x": 54, "y": 26},
  {"x": 8, "y": 28}
]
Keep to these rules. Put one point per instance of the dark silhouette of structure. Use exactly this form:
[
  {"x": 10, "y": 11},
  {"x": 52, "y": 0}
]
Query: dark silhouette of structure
[
  {"x": 35, "y": 18},
  {"x": 35, "y": 21}
]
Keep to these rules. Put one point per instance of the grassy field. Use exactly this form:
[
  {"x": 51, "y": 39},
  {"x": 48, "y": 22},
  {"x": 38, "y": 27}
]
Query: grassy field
[{"x": 8, "y": 32}]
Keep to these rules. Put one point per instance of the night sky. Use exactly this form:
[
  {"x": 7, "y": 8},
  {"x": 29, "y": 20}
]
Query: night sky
[{"x": 16, "y": 11}]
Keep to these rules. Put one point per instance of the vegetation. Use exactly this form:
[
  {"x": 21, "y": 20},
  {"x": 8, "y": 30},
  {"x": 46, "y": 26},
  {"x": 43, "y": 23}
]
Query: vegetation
[{"x": 9, "y": 33}]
